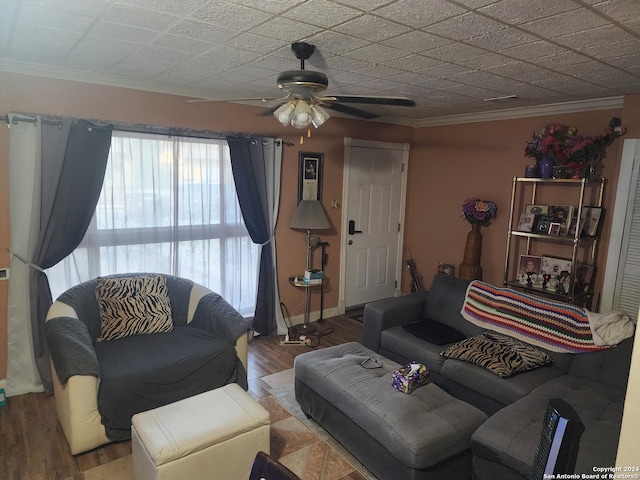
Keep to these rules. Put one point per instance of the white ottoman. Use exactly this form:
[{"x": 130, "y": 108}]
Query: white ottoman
[{"x": 214, "y": 435}]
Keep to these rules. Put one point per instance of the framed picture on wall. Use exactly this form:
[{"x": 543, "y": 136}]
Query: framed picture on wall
[{"x": 310, "y": 176}]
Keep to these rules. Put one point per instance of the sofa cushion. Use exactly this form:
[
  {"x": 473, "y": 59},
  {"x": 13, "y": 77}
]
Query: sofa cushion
[
  {"x": 510, "y": 437},
  {"x": 133, "y": 305},
  {"x": 434, "y": 332},
  {"x": 402, "y": 347},
  {"x": 445, "y": 301},
  {"x": 500, "y": 354}
]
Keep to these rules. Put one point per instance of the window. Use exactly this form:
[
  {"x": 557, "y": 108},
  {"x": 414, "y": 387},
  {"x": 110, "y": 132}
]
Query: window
[{"x": 168, "y": 204}]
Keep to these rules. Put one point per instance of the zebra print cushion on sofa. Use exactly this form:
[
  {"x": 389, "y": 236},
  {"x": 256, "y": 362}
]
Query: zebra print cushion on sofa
[
  {"x": 133, "y": 306},
  {"x": 500, "y": 354}
]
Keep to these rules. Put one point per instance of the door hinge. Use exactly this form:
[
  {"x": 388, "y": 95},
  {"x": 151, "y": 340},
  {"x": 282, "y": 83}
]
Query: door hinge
[
  {"x": 395, "y": 284},
  {"x": 398, "y": 227}
]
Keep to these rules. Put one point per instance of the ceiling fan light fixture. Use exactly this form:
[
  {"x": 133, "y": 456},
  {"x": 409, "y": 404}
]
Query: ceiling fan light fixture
[
  {"x": 301, "y": 115},
  {"x": 284, "y": 113},
  {"x": 318, "y": 115}
]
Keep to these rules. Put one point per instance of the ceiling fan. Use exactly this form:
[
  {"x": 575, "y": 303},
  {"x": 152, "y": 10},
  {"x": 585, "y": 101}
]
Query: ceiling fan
[{"x": 303, "y": 104}]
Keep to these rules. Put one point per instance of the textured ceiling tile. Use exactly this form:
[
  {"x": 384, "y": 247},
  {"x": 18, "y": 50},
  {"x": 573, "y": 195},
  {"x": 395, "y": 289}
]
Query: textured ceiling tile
[
  {"x": 123, "y": 32},
  {"x": 561, "y": 59},
  {"x": 417, "y": 41},
  {"x": 466, "y": 26},
  {"x": 322, "y": 13},
  {"x": 139, "y": 17},
  {"x": 603, "y": 36},
  {"x": 271, "y": 6},
  {"x": 445, "y": 70},
  {"x": 178, "y": 8},
  {"x": 487, "y": 60},
  {"x": 254, "y": 43},
  {"x": 565, "y": 23},
  {"x": 96, "y": 60},
  {"x": 286, "y": 30},
  {"x": 509, "y": 37},
  {"x": 51, "y": 18},
  {"x": 517, "y": 12},
  {"x": 608, "y": 52},
  {"x": 412, "y": 63},
  {"x": 99, "y": 46},
  {"x": 38, "y": 52},
  {"x": 230, "y": 16},
  {"x": 533, "y": 50},
  {"x": 379, "y": 71},
  {"x": 202, "y": 31},
  {"x": 620, "y": 10},
  {"x": 182, "y": 44},
  {"x": 454, "y": 51},
  {"x": 141, "y": 66},
  {"x": 87, "y": 8},
  {"x": 371, "y": 27},
  {"x": 329, "y": 42},
  {"x": 375, "y": 53},
  {"x": 366, "y": 5},
  {"x": 418, "y": 13}
]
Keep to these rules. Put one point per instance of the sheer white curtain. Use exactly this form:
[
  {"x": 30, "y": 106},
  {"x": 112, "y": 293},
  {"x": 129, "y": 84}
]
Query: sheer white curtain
[{"x": 168, "y": 205}]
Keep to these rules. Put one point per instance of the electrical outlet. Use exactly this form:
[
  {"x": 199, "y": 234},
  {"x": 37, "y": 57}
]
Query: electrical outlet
[{"x": 4, "y": 274}]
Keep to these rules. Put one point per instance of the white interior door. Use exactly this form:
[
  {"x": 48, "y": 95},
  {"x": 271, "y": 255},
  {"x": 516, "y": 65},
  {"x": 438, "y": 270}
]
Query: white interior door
[{"x": 372, "y": 219}]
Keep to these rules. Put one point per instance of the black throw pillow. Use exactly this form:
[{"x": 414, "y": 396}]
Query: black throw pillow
[{"x": 434, "y": 332}]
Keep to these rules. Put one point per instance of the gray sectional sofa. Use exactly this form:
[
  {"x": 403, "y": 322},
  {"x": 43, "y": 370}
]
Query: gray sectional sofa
[{"x": 504, "y": 446}]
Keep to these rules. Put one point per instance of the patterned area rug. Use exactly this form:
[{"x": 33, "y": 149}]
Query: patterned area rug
[
  {"x": 299, "y": 443},
  {"x": 327, "y": 458}
]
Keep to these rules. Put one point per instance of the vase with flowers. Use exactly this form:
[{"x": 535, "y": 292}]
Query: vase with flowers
[
  {"x": 478, "y": 213},
  {"x": 568, "y": 154}
]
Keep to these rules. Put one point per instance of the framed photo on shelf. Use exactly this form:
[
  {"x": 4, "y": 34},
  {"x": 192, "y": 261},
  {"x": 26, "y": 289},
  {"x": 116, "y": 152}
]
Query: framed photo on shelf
[
  {"x": 562, "y": 214},
  {"x": 554, "y": 266},
  {"x": 537, "y": 209},
  {"x": 530, "y": 264},
  {"x": 584, "y": 277},
  {"x": 542, "y": 224},
  {"x": 310, "y": 176},
  {"x": 590, "y": 220},
  {"x": 527, "y": 221},
  {"x": 554, "y": 229}
]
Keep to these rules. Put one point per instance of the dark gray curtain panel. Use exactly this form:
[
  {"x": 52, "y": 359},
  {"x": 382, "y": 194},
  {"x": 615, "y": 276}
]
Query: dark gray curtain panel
[
  {"x": 249, "y": 174},
  {"x": 74, "y": 159}
]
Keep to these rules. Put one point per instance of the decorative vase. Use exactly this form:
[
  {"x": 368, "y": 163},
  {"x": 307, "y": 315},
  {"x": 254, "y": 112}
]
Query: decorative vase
[
  {"x": 546, "y": 168},
  {"x": 532, "y": 171},
  {"x": 470, "y": 268}
]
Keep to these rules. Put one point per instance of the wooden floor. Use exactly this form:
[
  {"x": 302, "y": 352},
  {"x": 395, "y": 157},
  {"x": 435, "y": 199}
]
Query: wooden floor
[{"x": 33, "y": 447}]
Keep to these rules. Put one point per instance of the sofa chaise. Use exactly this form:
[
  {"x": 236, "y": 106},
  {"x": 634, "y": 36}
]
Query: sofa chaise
[
  {"x": 123, "y": 344},
  {"x": 422, "y": 325}
]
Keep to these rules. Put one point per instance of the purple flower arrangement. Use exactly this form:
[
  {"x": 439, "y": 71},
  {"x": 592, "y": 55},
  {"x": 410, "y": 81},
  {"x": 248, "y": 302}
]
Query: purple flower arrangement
[{"x": 479, "y": 211}]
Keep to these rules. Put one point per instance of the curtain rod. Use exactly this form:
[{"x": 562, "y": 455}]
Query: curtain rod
[
  {"x": 142, "y": 128},
  {"x": 28, "y": 119}
]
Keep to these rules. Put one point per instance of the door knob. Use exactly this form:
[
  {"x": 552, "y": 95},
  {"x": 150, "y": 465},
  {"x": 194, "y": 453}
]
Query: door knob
[{"x": 352, "y": 228}]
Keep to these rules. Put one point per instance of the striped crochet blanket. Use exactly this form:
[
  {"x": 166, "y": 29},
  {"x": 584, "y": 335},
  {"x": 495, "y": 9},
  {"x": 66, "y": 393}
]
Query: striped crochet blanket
[{"x": 556, "y": 326}]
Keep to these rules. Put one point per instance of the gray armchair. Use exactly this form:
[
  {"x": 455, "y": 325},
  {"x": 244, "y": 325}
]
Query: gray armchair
[{"x": 99, "y": 385}]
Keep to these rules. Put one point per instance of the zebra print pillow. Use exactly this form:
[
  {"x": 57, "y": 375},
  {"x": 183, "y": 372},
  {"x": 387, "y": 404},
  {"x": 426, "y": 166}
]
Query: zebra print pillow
[
  {"x": 500, "y": 354},
  {"x": 133, "y": 306}
]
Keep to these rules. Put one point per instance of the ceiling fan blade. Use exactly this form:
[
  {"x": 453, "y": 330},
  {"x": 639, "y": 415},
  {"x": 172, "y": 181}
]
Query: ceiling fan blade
[
  {"x": 199, "y": 100},
  {"x": 396, "y": 101},
  {"x": 269, "y": 111},
  {"x": 356, "y": 112}
]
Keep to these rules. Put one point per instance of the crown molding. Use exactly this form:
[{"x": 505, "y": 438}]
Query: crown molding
[
  {"x": 606, "y": 103},
  {"x": 525, "y": 112}
]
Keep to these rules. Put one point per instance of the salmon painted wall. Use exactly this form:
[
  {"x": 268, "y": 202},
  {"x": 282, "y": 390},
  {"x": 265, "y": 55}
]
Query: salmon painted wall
[
  {"x": 32, "y": 94},
  {"x": 452, "y": 163},
  {"x": 447, "y": 165}
]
